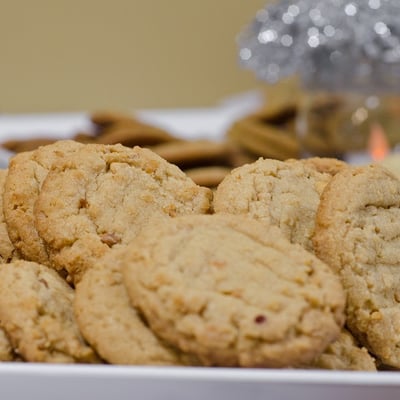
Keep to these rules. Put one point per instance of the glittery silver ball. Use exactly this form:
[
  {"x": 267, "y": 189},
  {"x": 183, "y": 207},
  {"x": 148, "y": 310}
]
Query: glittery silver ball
[{"x": 331, "y": 44}]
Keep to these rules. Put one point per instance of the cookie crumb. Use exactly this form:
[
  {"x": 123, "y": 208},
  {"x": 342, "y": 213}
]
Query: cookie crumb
[{"x": 110, "y": 239}]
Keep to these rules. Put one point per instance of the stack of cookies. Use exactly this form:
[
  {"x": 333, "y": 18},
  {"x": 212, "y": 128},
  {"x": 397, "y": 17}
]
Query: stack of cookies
[
  {"x": 207, "y": 162},
  {"x": 269, "y": 133},
  {"x": 291, "y": 130},
  {"x": 65, "y": 206},
  {"x": 349, "y": 218},
  {"x": 112, "y": 254}
]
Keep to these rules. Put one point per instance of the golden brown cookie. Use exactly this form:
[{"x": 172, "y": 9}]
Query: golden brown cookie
[
  {"x": 285, "y": 194},
  {"x": 238, "y": 156},
  {"x": 135, "y": 135},
  {"x": 18, "y": 146},
  {"x": 207, "y": 176},
  {"x": 111, "y": 325},
  {"x": 327, "y": 165},
  {"x": 84, "y": 137},
  {"x": 227, "y": 290},
  {"x": 103, "y": 196},
  {"x": 358, "y": 234},
  {"x": 345, "y": 354},
  {"x": 281, "y": 114},
  {"x": 106, "y": 118},
  {"x": 7, "y": 249},
  {"x": 36, "y": 312},
  {"x": 268, "y": 133},
  {"x": 193, "y": 153},
  {"x": 268, "y": 143},
  {"x": 6, "y": 350},
  {"x": 26, "y": 173},
  {"x": 7, "y": 254}
]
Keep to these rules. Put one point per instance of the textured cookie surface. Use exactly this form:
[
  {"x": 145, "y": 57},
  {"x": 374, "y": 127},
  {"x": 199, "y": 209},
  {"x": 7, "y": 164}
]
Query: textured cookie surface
[
  {"x": 358, "y": 235},
  {"x": 285, "y": 194},
  {"x": 37, "y": 314},
  {"x": 225, "y": 289},
  {"x": 26, "y": 173},
  {"x": 345, "y": 354},
  {"x": 327, "y": 165},
  {"x": 6, "y": 350},
  {"x": 111, "y": 325},
  {"x": 7, "y": 249},
  {"x": 103, "y": 196}
]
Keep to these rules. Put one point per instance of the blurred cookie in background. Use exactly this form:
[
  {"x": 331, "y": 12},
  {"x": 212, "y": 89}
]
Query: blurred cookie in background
[{"x": 269, "y": 133}]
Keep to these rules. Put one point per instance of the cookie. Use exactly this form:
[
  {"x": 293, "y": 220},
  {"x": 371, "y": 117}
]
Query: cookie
[
  {"x": 26, "y": 173},
  {"x": 227, "y": 290},
  {"x": 7, "y": 249},
  {"x": 285, "y": 194},
  {"x": 6, "y": 350},
  {"x": 36, "y": 312},
  {"x": 281, "y": 114},
  {"x": 208, "y": 176},
  {"x": 357, "y": 233},
  {"x": 103, "y": 196},
  {"x": 345, "y": 354},
  {"x": 18, "y": 146},
  {"x": 326, "y": 165},
  {"x": 84, "y": 137},
  {"x": 111, "y": 325},
  {"x": 193, "y": 153},
  {"x": 238, "y": 156},
  {"x": 135, "y": 135},
  {"x": 106, "y": 118},
  {"x": 268, "y": 143},
  {"x": 269, "y": 133}
]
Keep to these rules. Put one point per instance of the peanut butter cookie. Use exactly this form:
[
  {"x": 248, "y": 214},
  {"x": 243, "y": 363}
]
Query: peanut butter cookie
[
  {"x": 36, "y": 313},
  {"x": 269, "y": 133},
  {"x": 7, "y": 249},
  {"x": 285, "y": 194},
  {"x": 19, "y": 146},
  {"x": 135, "y": 135},
  {"x": 358, "y": 234},
  {"x": 6, "y": 350},
  {"x": 103, "y": 196},
  {"x": 106, "y": 118},
  {"x": 345, "y": 354},
  {"x": 111, "y": 325},
  {"x": 25, "y": 176},
  {"x": 187, "y": 154},
  {"x": 224, "y": 288},
  {"x": 207, "y": 176},
  {"x": 327, "y": 165}
]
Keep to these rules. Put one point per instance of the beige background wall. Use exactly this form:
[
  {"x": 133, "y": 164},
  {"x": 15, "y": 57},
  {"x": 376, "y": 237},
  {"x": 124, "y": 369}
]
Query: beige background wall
[{"x": 67, "y": 55}]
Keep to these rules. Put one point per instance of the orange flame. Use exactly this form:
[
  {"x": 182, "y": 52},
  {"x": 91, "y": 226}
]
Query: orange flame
[{"x": 378, "y": 145}]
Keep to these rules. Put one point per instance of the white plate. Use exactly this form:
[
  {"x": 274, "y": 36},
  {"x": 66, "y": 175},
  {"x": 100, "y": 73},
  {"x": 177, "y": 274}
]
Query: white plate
[
  {"x": 50, "y": 382},
  {"x": 20, "y": 381}
]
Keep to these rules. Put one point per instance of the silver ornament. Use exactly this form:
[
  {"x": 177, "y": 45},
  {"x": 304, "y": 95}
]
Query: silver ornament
[{"x": 332, "y": 45}]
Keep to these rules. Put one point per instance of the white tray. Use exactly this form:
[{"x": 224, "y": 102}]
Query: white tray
[
  {"x": 20, "y": 381},
  {"x": 50, "y": 382}
]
